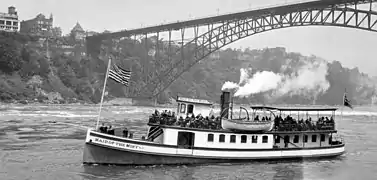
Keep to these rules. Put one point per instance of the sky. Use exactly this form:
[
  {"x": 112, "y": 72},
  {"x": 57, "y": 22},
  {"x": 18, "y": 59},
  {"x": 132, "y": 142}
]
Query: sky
[{"x": 352, "y": 47}]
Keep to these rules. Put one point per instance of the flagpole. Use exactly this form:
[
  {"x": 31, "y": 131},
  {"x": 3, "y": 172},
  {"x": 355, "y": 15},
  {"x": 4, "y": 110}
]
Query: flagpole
[
  {"x": 103, "y": 92},
  {"x": 341, "y": 109}
]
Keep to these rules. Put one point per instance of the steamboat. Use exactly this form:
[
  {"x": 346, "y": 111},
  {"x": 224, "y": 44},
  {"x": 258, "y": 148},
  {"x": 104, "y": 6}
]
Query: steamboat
[{"x": 193, "y": 134}]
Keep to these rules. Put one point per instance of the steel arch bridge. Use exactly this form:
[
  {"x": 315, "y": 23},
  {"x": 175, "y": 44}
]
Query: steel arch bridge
[{"x": 219, "y": 31}]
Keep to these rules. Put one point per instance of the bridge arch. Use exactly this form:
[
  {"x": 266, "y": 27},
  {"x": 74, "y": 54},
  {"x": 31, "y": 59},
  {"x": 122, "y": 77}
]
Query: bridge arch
[{"x": 234, "y": 30}]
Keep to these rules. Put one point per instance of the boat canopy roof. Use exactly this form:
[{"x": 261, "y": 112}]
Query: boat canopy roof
[
  {"x": 193, "y": 101},
  {"x": 293, "y": 108}
]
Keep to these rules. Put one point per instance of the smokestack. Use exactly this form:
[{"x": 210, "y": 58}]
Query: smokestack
[
  {"x": 12, "y": 10},
  {"x": 224, "y": 104}
]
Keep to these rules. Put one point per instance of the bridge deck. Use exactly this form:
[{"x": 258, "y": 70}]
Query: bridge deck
[{"x": 226, "y": 17}]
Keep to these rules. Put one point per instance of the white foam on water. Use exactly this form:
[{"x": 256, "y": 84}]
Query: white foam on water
[
  {"x": 30, "y": 114},
  {"x": 129, "y": 111},
  {"x": 26, "y": 129},
  {"x": 75, "y": 125}
]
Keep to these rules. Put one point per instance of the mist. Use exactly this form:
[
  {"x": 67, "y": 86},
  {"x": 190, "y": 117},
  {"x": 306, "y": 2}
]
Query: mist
[{"x": 308, "y": 80}]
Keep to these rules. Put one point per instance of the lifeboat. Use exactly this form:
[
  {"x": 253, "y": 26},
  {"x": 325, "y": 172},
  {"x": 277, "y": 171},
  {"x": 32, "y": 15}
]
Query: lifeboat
[{"x": 242, "y": 125}]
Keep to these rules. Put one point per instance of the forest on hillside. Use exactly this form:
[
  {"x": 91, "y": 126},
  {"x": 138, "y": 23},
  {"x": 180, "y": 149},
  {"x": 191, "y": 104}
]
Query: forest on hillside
[{"x": 70, "y": 75}]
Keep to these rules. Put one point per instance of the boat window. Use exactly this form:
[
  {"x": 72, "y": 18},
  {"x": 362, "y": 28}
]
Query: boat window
[
  {"x": 210, "y": 138},
  {"x": 183, "y": 108},
  {"x": 305, "y": 138},
  {"x": 286, "y": 139},
  {"x": 233, "y": 138},
  {"x": 264, "y": 139},
  {"x": 243, "y": 139},
  {"x": 314, "y": 138},
  {"x": 222, "y": 138},
  {"x": 190, "y": 109},
  {"x": 323, "y": 137},
  {"x": 296, "y": 139},
  {"x": 254, "y": 139},
  {"x": 277, "y": 139}
]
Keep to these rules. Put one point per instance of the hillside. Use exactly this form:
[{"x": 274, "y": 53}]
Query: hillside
[{"x": 69, "y": 75}]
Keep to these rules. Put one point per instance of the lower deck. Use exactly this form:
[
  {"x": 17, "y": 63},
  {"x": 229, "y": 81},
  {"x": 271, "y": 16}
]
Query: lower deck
[{"x": 218, "y": 143}]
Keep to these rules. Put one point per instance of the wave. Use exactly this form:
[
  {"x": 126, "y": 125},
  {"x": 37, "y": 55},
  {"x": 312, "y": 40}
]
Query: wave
[{"x": 44, "y": 114}]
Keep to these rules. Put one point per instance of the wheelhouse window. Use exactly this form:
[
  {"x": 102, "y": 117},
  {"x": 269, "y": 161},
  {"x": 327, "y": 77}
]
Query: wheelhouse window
[
  {"x": 243, "y": 139},
  {"x": 323, "y": 137},
  {"x": 190, "y": 109},
  {"x": 210, "y": 138},
  {"x": 296, "y": 139},
  {"x": 314, "y": 138},
  {"x": 264, "y": 139},
  {"x": 222, "y": 138},
  {"x": 254, "y": 139},
  {"x": 233, "y": 138},
  {"x": 277, "y": 139},
  {"x": 183, "y": 108},
  {"x": 305, "y": 138}
]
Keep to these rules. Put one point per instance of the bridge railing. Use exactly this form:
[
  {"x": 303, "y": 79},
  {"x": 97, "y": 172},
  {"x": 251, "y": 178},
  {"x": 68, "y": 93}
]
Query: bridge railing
[{"x": 228, "y": 13}]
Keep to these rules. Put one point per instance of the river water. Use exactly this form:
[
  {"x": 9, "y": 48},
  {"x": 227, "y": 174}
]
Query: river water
[{"x": 46, "y": 142}]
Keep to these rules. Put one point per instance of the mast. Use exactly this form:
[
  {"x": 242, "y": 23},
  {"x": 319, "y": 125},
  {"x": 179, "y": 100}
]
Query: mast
[{"x": 103, "y": 92}]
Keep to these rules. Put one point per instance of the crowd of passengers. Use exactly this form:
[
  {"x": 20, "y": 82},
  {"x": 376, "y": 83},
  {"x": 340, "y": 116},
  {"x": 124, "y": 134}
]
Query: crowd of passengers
[
  {"x": 281, "y": 124},
  {"x": 290, "y": 124},
  {"x": 169, "y": 118},
  {"x": 108, "y": 129}
]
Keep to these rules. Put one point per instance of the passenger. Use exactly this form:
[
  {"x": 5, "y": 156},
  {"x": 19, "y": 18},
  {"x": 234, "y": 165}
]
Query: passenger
[
  {"x": 110, "y": 130},
  {"x": 102, "y": 128},
  {"x": 125, "y": 132},
  {"x": 105, "y": 129},
  {"x": 131, "y": 135}
]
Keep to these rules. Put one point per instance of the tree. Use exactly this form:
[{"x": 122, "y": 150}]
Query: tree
[{"x": 10, "y": 60}]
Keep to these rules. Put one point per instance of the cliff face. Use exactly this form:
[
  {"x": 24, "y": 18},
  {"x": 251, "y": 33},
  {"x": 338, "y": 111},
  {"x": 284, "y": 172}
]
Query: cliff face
[{"x": 69, "y": 75}]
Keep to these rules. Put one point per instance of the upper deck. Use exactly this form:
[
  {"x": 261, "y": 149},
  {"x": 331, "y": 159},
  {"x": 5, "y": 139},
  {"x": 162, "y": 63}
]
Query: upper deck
[{"x": 282, "y": 124}]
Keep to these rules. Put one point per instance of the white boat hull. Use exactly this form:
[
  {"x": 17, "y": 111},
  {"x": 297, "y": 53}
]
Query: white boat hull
[
  {"x": 247, "y": 125},
  {"x": 106, "y": 149}
]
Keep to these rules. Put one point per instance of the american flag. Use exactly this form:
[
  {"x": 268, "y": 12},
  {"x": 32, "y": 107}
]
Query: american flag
[{"x": 120, "y": 75}]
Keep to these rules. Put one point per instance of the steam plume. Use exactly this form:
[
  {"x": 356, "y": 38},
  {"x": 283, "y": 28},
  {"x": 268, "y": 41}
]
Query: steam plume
[{"x": 308, "y": 80}]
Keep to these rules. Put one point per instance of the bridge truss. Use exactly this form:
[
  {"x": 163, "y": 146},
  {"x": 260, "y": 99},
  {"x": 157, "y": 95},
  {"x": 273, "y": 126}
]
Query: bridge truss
[{"x": 211, "y": 34}]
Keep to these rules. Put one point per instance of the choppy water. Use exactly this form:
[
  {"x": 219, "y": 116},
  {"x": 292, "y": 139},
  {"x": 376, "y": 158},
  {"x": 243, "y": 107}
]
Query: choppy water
[{"x": 33, "y": 148}]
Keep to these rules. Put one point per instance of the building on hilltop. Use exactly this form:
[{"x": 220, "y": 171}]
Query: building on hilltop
[
  {"x": 78, "y": 32},
  {"x": 40, "y": 25},
  {"x": 9, "y": 21}
]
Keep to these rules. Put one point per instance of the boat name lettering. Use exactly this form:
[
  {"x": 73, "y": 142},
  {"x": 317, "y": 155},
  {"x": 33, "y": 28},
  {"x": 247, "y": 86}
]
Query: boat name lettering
[{"x": 117, "y": 144}]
